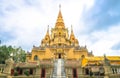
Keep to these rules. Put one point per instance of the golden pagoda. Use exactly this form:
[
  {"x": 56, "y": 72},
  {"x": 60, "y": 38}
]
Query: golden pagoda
[{"x": 59, "y": 44}]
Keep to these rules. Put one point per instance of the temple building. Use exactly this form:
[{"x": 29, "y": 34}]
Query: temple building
[
  {"x": 59, "y": 55},
  {"x": 59, "y": 44},
  {"x": 62, "y": 45}
]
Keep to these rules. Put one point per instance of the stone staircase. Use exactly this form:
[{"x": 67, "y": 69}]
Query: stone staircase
[{"x": 59, "y": 70}]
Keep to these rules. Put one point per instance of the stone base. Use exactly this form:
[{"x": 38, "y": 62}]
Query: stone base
[
  {"x": 106, "y": 76},
  {"x": 9, "y": 76}
]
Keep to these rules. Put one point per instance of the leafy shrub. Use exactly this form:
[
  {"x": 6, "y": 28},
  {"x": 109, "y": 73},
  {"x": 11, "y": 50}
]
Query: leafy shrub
[
  {"x": 15, "y": 73},
  {"x": 26, "y": 73}
]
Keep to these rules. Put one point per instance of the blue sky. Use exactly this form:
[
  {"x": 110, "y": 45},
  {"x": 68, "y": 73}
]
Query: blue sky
[{"x": 96, "y": 23}]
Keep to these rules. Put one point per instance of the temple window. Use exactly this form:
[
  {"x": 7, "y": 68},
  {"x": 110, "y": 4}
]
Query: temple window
[
  {"x": 35, "y": 57},
  {"x": 82, "y": 56}
]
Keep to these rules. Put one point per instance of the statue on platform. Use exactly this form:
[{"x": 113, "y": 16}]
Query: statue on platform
[
  {"x": 9, "y": 65},
  {"x": 106, "y": 61}
]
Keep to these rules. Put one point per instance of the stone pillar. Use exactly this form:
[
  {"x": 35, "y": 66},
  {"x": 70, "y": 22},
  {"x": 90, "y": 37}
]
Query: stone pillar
[
  {"x": 107, "y": 70},
  {"x": 9, "y": 65}
]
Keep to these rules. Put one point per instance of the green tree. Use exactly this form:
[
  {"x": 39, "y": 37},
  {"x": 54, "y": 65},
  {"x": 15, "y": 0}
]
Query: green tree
[
  {"x": 4, "y": 53},
  {"x": 17, "y": 53}
]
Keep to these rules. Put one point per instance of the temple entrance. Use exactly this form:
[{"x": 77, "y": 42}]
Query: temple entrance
[
  {"x": 86, "y": 71},
  {"x": 43, "y": 73},
  {"x": 74, "y": 73},
  {"x": 59, "y": 56}
]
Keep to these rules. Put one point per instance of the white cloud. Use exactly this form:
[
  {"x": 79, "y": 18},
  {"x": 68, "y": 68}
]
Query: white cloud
[
  {"x": 101, "y": 42},
  {"x": 28, "y": 23}
]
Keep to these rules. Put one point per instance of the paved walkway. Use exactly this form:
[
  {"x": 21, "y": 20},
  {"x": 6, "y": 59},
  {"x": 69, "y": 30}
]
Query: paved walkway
[{"x": 59, "y": 71}]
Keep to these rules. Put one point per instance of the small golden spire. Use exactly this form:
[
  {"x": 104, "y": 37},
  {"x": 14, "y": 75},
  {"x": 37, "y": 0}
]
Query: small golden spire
[
  {"x": 71, "y": 29},
  {"x": 72, "y": 34}
]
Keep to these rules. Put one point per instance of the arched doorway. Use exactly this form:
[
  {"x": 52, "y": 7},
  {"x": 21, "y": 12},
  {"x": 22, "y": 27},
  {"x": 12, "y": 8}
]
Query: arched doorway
[
  {"x": 86, "y": 71},
  {"x": 59, "y": 56},
  {"x": 74, "y": 73}
]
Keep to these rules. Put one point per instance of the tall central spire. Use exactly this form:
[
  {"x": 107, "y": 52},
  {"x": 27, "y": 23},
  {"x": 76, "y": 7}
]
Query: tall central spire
[{"x": 59, "y": 21}]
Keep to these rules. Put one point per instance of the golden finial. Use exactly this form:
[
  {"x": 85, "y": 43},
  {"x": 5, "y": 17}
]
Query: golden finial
[
  {"x": 48, "y": 29},
  {"x": 71, "y": 29},
  {"x": 59, "y": 6}
]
